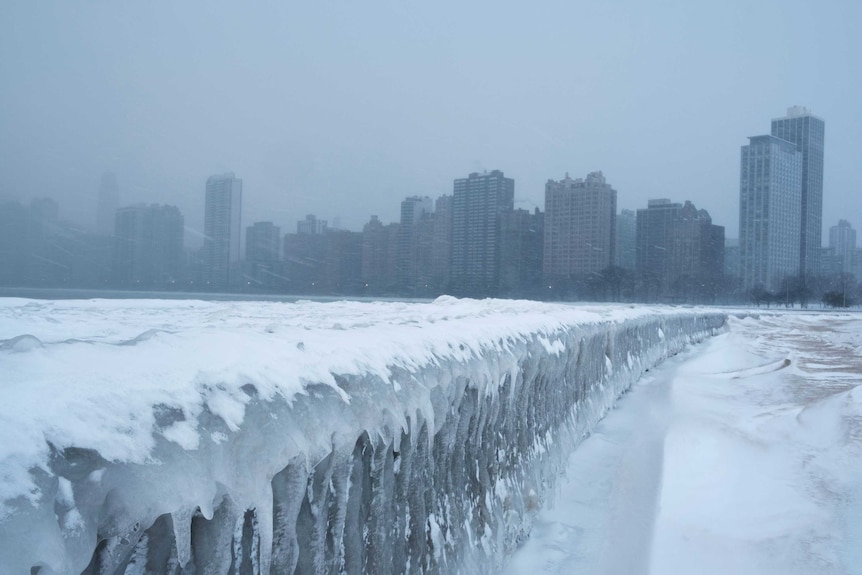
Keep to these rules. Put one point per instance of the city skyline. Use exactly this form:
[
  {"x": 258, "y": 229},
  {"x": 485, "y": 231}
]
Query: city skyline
[{"x": 345, "y": 110}]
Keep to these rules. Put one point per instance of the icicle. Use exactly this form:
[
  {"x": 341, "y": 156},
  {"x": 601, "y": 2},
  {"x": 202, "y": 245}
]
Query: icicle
[
  {"x": 182, "y": 520},
  {"x": 265, "y": 527}
]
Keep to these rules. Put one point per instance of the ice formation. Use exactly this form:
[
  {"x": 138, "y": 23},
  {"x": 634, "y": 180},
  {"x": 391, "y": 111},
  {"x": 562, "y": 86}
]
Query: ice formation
[{"x": 217, "y": 437}]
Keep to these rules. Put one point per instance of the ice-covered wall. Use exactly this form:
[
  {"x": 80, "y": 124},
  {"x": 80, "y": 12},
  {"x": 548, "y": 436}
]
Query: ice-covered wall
[{"x": 302, "y": 438}]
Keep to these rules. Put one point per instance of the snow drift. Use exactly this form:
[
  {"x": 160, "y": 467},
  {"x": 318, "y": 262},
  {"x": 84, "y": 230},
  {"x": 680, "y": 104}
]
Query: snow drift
[{"x": 197, "y": 437}]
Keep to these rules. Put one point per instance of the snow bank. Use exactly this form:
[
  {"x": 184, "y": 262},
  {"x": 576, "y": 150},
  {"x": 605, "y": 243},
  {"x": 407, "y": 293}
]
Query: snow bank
[{"x": 213, "y": 437}]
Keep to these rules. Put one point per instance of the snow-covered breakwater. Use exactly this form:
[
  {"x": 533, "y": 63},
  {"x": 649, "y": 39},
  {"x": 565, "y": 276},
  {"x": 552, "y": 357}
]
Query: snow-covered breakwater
[{"x": 198, "y": 437}]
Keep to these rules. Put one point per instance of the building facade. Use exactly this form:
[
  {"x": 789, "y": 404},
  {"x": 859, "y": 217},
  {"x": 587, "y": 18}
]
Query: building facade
[
  {"x": 695, "y": 264},
  {"x": 441, "y": 245},
  {"x": 580, "y": 227},
  {"x": 107, "y": 203},
  {"x": 679, "y": 252},
  {"x": 415, "y": 236},
  {"x": 842, "y": 243},
  {"x": 222, "y": 231},
  {"x": 478, "y": 201},
  {"x": 148, "y": 247},
  {"x": 770, "y": 212},
  {"x": 521, "y": 245},
  {"x": 807, "y": 132},
  {"x": 625, "y": 252},
  {"x": 262, "y": 248},
  {"x": 311, "y": 225}
]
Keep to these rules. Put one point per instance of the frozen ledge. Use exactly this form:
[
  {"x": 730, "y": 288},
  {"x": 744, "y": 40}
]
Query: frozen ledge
[{"x": 301, "y": 438}]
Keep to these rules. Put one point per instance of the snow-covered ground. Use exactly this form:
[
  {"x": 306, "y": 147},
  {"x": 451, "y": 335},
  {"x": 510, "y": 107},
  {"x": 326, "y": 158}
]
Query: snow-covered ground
[{"x": 742, "y": 455}]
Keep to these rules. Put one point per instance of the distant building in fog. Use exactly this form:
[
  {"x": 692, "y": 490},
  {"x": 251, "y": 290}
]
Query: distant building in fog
[
  {"x": 262, "y": 242},
  {"x": 478, "y": 202},
  {"x": 842, "y": 243},
  {"x": 222, "y": 231},
  {"x": 829, "y": 263},
  {"x": 342, "y": 264},
  {"x": 680, "y": 253},
  {"x": 580, "y": 226},
  {"x": 305, "y": 257},
  {"x": 262, "y": 247},
  {"x": 148, "y": 247},
  {"x": 311, "y": 225},
  {"x": 521, "y": 245},
  {"x": 441, "y": 246},
  {"x": 380, "y": 257},
  {"x": 414, "y": 244},
  {"x": 625, "y": 250},
  {"x": 108, "y": 201}
]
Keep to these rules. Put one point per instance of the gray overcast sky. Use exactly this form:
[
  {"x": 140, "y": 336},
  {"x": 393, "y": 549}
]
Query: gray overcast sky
[{"x": 344, "y": 108}]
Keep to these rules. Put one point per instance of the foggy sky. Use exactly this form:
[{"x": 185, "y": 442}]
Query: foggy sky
[{"x": 342, "y": 109}]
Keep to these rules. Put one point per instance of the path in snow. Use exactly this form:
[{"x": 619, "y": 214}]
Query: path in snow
[{"x": 741, "y": 455}]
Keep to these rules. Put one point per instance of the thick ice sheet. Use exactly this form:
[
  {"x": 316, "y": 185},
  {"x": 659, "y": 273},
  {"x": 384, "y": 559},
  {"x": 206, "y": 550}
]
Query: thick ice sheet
[
  {"x": 118, "y": 412},
  {"x": 742, "y": 455}
]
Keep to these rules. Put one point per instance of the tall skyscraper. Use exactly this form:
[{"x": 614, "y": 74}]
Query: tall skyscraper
[
  {"x": 807, "y": 132},
  {"x": 222, "y": 230},
  {"x": 477, "y": 204},
  {"x": 108, "y": 202},
  {"x": 580, "y": 226},
  {"x": 770, "y": 211}
]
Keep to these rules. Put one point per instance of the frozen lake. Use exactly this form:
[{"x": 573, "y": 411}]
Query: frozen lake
[{"x": 741, "y": 455}]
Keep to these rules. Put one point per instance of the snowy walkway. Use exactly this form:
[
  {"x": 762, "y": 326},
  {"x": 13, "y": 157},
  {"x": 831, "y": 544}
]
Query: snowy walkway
[{"x": 742, "y": 455}]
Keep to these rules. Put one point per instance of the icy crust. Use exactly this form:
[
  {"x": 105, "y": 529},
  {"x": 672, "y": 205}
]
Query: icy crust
[{"x": 196, "y": 437}]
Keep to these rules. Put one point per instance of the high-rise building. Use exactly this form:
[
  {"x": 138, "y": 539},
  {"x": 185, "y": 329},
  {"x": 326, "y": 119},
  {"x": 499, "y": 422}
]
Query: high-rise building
[
  {"x": 521, "y": 244},
  {"x": 654, "y": 226},
  {"x": 477, "y": 204},
  {"x": 415, "y": 236},
  {"x": 222, "y": 231},
  {"x": 695, "y": 256},
  {"x": 107, "y": 203},
  {"x": 580, "y": 226},
  {"x": 842, "y": 243},
  {"x": 305, "y": 255},
  {"x": 770, "y": 212},
  {"x": 441, "y": 246},
  {"x": 148, "y": 247},
  {"x": 807, "y": 132},
  {"x": 625, "y": 255},
  {"x": 262, "y": 242},
  {"x": 378, "y": 271},
  {"x": 680, "y": 253},
  {"x": 342, "y": 263}
]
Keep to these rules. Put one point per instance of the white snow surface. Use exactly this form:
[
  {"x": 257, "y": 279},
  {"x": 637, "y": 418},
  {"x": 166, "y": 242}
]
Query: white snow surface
[
  {"x": 741, "y": 455},
  {"x": 117, "y": 412}
]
